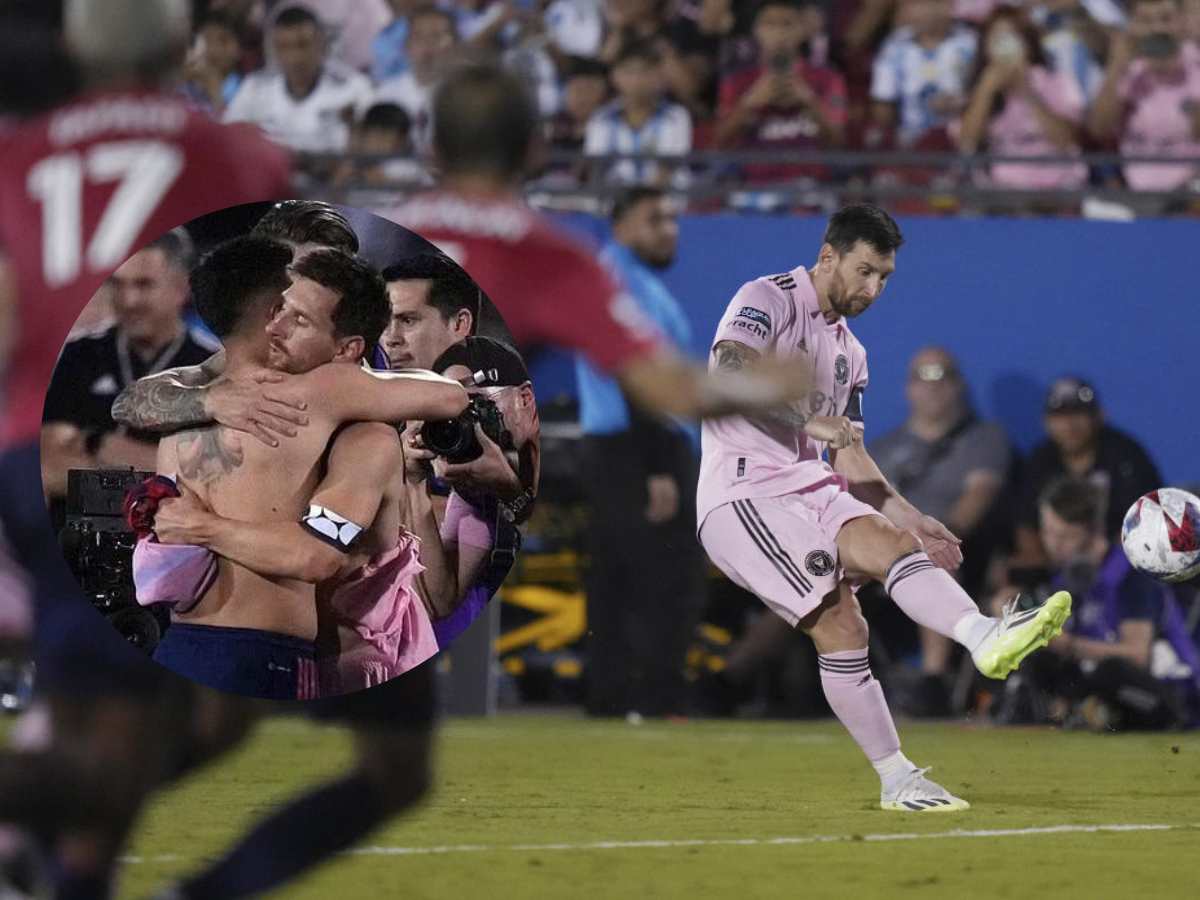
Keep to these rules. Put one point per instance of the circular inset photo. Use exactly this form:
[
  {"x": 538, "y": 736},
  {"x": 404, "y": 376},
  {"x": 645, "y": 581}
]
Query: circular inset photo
[{"x": 289, "y": 448}]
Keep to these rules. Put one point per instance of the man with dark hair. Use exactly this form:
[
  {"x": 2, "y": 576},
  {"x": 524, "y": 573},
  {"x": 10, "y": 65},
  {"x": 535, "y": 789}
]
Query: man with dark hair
[
  {"x": 782, "y": 101},
  {"x": 484, "y": 123},
  {"x": 434, "y": 304},
  {"x": 645, "y": 583},
  {"x": 305, "y": 224},
  {"x": 1079, "y": 442},
  {"x": 149, "y": 292},
  {"x": 244, "y": 632},
  {"x": 309, "y": 100},
  {"x": 798, "y": 531},
  {"x": 1118, "y": 665}
]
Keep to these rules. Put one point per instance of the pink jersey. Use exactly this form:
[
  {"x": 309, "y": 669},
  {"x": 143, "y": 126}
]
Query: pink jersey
[
  {"x": 743, "y": 458},
  {"x": 1016, "y": 131},
  {"x": 383, "y": 627},
  {"x": 1159, "y": 120}
]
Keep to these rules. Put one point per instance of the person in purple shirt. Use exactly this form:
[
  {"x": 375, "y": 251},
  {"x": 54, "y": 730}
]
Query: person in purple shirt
[{"x": 1125, "y": 660}]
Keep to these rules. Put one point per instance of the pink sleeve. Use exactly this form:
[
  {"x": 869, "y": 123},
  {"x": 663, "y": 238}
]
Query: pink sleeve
[
  {"x": 466, "y": 526},
  {"x": 755, "y": 315}
]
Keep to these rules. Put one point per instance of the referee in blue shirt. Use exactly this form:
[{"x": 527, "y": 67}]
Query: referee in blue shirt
[{"x": 645, "y": 581}]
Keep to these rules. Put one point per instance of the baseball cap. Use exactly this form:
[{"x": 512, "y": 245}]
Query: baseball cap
[
  {"x": 494, "y": 362},
  {"x": 1071, "y": 395}
]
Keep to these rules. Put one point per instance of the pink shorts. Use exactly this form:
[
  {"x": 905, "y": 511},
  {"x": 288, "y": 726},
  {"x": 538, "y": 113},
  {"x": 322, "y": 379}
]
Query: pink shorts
[{"x": 783, "y": 549}]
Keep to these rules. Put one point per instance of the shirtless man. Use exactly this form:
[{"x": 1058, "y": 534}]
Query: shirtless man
[{"x": 252, "y": 632}]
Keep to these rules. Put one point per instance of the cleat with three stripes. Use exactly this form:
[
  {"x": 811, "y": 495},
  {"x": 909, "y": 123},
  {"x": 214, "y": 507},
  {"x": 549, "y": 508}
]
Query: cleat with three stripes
[
  {"x": 919, "y": 794},
  {"x": 1018, "y": 633}
]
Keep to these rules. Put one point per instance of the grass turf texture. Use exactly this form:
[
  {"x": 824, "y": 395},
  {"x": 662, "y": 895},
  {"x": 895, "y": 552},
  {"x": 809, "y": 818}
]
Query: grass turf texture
[{"x": 540, "y": 780}]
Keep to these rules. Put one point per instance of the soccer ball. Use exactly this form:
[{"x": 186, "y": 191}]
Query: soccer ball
[{"x": 1161, "y": 534}]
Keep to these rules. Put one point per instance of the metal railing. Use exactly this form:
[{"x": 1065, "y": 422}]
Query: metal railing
[{"x": 949, "y": 182}]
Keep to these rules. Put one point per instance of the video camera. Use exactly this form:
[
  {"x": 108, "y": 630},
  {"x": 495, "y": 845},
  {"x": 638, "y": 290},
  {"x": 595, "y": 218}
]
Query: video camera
[
  {"x": 454, "y": 439},
  {"x": 98, "y": 545}
]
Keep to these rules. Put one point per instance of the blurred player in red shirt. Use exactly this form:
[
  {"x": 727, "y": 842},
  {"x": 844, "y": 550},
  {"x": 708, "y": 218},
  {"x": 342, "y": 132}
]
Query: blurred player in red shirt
[
  {"x": 82, "y": 188},
  {"x": 549, "y": 287}
]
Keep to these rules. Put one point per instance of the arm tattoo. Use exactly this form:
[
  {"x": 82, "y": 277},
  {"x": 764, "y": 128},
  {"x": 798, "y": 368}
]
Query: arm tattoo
[
  {"x": 733, "y": 356},
  {"x": 160, "y": 404},
  {"x": 207, "y": 454}
]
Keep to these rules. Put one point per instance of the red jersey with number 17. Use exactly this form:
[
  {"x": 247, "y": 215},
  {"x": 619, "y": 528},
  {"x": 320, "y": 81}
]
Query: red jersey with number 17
[
  {"x": 547, "y": 286},
  {"x": 85, "y": 186}
]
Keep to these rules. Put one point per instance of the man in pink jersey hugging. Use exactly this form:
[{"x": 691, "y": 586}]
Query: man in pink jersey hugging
[{"x": 799, "y": 531}]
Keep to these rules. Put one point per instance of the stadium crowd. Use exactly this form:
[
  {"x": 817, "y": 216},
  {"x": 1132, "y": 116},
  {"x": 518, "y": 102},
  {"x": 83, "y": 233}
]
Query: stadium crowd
[{"x": 663, "y": 79}]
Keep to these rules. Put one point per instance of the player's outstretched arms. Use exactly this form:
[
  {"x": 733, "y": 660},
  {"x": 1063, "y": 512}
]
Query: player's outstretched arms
[
  {"x": 745, "y": 385},
  {"x": 350, "y": 393},
  {"x": 320, "y": 546}
]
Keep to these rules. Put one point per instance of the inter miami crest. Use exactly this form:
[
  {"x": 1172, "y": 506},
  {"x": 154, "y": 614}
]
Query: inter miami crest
[
  {"x": 819, "y": 563},
  {"x": 841, "y": 369}
]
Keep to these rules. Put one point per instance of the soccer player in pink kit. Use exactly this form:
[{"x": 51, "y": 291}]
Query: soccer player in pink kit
[{"x": 798, "y": 531}]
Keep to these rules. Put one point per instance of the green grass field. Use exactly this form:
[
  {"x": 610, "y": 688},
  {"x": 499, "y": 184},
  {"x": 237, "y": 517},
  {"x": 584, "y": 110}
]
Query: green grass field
[{"x": 519, "y": 799}]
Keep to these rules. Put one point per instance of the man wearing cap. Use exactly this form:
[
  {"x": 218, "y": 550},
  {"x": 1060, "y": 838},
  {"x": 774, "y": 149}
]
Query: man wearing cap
[
  {"x": 478, "y": 533},
  {"x": 1081, "y": 444}
]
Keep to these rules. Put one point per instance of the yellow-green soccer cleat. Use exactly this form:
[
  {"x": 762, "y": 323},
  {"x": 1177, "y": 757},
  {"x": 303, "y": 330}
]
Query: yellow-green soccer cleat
[
  {"x": 1016, "y": 634},
  {"x": 919, "y": 794}
]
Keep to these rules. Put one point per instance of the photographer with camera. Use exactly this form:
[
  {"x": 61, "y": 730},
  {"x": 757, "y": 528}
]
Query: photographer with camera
[{"x": 490, "y": 457}]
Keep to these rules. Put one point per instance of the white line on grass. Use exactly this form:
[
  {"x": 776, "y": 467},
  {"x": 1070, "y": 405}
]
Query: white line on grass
[
  {"x": 721, "y": 842},
  {"x": 757, "y": 842}
]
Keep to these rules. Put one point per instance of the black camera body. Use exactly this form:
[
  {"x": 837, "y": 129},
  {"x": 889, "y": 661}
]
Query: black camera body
[
  {"x": 98, "y": 545},
  {"x": 454, "y": 440}
]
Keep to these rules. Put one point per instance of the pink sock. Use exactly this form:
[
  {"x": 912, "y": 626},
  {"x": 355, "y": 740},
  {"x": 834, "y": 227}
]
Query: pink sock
[
  {"x": 856, "y": 698},
  {"x": 931, "y": 597}
]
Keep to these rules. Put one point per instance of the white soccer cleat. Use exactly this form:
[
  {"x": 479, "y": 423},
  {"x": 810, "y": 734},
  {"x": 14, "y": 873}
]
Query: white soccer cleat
[
  {"x": 919, "y": 794},
  {"x": 1017, "y": 633}
]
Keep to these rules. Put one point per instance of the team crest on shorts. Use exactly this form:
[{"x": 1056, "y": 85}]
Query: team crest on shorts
[
  {"x": 841, "y": 369},
  {"x": 818, "y": 563}
]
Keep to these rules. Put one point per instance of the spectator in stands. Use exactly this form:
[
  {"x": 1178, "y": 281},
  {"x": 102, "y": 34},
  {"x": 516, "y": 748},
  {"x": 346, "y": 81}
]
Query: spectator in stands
[
  {"x": 782, "y": 102},
  {"x": 309, "y": 102},
  {"x": 645, "y": 579},
  {"x": 1081, "y": 444},
  {"x": 352, "y": 26},
  {"x": 383, "y": 131},
  {"x": 640, "y": 120},
  {"x": 388, "y": 59},
  {"x": 954, "y": 465},
  {"x": 213, "y": 68},
  {"x": 631, "y": 22},
  {"x": 1074, "y": 42},
  {"x": 585, "y": 91},
  {"x": 429, "y": 45},
  {"x": 148, "y": 294},
  {"x": 920, "y": 77},
  {"x": 1020, "y": 106},
  {"x": 1150, "y": 99},
  {"x": 1114, "y": 662}
]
